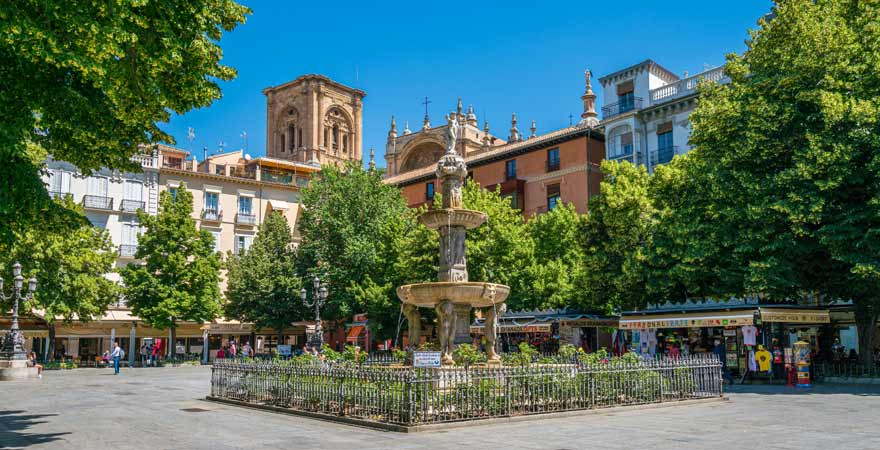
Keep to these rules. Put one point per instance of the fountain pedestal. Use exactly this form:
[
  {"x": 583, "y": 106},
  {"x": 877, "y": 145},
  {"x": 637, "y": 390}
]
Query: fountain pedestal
[{"x": 453, "y": 295}]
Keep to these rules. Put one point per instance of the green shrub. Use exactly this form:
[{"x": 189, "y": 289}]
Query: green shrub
[{"x": 467, "y": 355}]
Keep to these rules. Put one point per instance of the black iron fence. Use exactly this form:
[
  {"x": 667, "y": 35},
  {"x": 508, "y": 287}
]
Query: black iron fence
[
  {"x": 407, "y": 396},
  {"x": 849, "y": 370}
]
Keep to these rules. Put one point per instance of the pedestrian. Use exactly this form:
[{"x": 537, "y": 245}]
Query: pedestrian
[
  {"x": 221, "y": 354},
  {"x": 154, "y": 354},
  {"x": 32, "y": 362},
  {"x": 115, "y": 354},
  {"x": 232, "y": 349},
  {"x": 721, "y": 352},
  {"x": 246, "y": 350},
  {"x": 144, "y": 352}
]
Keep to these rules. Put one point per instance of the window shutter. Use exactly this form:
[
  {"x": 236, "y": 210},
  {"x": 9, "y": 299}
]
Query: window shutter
[
  {"x": 664, "y": 127},
  {"x": 133, "y": 190},
  {"x": 625, "y": 88}
]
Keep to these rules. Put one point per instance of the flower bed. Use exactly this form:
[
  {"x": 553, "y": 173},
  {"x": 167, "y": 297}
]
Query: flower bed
[{"x": 411, "y": 397}]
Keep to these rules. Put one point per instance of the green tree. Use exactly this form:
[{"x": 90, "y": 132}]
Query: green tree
[
  {"x": 791, "y": 147},
  {"x": 87, "y": 82},
  {"x": 559, "y": 258},
  {"x": 349, "y": 232},
  {"x": 262, "y": 286},
  {"x": 616, "y": 235},
  {"x": 178, "y": 280},
  {"x": 70, "y": 268}
]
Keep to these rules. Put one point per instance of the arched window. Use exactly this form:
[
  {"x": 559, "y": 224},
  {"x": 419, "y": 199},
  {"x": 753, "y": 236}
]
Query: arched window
[
  {"x": 345, "y": 143},
  {"x": 335, "y": 137},
  {"x": 281, "y": 141},
  {"x": 620, "y": 142},
  {"x": 291, "y": 133}
]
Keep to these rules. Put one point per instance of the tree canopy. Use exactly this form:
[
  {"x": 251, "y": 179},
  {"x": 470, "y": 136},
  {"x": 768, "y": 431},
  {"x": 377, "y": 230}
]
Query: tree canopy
[
  {"x": 178, "y": 280},
  {"x": 262, "y": 286},
  {"x": 88, "y": 82}
]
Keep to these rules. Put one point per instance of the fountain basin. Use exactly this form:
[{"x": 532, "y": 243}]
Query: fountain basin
[
  {"x": 473, "y": 293},
  {"x": 439, "y": 218}
]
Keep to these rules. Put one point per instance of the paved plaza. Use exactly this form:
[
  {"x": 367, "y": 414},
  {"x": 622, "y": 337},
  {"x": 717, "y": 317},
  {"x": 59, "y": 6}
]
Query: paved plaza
[{"x": 163, "y": 409}]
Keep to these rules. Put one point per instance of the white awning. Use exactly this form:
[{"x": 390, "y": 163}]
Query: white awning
[{"x": 278, "y": 204}]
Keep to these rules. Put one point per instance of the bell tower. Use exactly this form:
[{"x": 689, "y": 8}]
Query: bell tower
[{"x": 314, "y": 119}]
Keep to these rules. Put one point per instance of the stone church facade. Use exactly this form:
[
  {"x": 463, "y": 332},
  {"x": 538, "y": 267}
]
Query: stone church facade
[{"x": 314, "y": 119}]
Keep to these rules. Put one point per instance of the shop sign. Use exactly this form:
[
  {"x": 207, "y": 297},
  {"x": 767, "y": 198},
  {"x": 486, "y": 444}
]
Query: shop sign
[
  {"x": 426, "y": 359},
  {"x": 730, "y": 332},
  {"x": 180, "y": 349},
  {"x": 284, "y": 350},
  {"x": 796, "y": 316},
  {"x": 195, "y": 348},
  {"x": 686, "y": 323}
]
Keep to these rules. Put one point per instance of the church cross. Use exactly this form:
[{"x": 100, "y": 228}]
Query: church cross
[{"x": 426, "y": 102}]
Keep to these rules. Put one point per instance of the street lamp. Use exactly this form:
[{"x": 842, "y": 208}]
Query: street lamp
[
  {"x": 319, "y": 296},
  {"x": 12, "y": 347}
]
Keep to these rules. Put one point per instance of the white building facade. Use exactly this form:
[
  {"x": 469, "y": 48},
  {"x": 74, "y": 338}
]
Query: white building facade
[
  {"x": 111, "y": 199},
  {"x": 647, "y": 110}
]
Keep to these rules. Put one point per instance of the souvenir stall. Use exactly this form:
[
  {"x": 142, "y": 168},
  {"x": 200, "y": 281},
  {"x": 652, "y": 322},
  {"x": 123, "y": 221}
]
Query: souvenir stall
[{"x": 547, "y": 330}]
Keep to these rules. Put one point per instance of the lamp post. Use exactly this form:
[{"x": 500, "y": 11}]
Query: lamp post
[
  {"x": 319, "y": 296},
  {"x": 13, "y": 342}
]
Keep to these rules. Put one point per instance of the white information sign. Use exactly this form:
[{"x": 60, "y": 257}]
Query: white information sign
[{"x": 426, "y": 359}]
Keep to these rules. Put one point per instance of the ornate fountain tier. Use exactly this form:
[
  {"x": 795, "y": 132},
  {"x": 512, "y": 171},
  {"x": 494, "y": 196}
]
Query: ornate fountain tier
[
  {"x": 472, "y": 293},
  {"x": 452, "y": 217}
]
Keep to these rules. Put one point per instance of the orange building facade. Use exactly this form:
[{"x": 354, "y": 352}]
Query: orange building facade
[{"x": 536, "y": 173}]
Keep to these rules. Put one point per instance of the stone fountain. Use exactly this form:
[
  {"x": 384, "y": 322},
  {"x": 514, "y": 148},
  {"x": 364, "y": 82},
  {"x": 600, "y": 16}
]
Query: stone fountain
[{"x": 453, "y": 296}]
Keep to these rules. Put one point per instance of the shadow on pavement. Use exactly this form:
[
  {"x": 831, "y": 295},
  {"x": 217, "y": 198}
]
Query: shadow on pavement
[
  {"x": 867, "y": 390},
  {"x": 13, "y": 426}
]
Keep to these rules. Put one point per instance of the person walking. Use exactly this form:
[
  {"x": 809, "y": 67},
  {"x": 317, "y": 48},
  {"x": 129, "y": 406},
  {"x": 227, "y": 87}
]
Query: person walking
[
  {"x": 143, "y": 353},
  {"x": 115, "y": 355},
  {"x": 154, "y": 354},
  {"x": 32, "y": 362},
  {"x": 232, "y": 350},
  {"x": 246, "y": 350}
]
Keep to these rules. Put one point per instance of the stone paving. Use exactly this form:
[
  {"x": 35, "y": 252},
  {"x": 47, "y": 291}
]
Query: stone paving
[{"x": 163, "y": 409}]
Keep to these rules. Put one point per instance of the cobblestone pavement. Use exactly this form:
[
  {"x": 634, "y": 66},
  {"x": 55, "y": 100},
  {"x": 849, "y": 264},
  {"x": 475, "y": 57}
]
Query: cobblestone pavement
[{"x": 163, "y": 409}]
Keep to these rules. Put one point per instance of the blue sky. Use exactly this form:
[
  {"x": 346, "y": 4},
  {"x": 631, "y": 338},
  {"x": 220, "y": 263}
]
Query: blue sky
[{"x": 502, "y": 57}]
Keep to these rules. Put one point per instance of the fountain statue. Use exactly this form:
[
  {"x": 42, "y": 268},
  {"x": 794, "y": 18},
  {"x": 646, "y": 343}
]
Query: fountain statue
[{"x": 453, "y": 296}]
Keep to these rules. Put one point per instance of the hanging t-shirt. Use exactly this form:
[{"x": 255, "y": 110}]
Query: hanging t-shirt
[
  {"x": 763, "y": 358},
  {"x": 749, "y": 333},
  {"x": 753, "y": 366}
]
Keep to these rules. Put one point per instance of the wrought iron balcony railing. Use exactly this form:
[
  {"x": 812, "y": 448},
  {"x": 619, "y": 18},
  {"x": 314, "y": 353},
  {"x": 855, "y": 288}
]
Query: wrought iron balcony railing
[
  {"x": 552, "y": 165},
  {"x": 97, "y": 202},
  {"x": 616, "y": 109},
  {"x": 664, "y": 154},
  {"x": 127, "y": 250},
  {"x": 131, "y": 206},
  {"x": 212, "y": 215},
  {"x": 245, "y": 219}
]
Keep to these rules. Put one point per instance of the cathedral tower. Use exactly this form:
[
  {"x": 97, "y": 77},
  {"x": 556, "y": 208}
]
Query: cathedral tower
[{"x": 314, "y": 119}]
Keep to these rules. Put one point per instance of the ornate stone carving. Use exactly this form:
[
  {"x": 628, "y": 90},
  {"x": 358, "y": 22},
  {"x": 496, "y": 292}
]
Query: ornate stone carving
[
  {"x": 446, "y": 320},
  {"x": 414, "y": 321},
  {"x": 490, "y": 325}
]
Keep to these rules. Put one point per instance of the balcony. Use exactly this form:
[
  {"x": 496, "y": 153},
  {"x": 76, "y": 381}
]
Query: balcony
[
  {"x": 212, "y": 215},
  {"x": 616, "y": 109},
  {"x": 242, "y": 172},
  {"x": 664, "y": 155},
  {"x": 552, "y": 165},
  {"x": 172, "y": 163},
  {"x": 97, "y": 202},
  {"x": 127, "y": 250},
  {"x": 145, "y": 160},
  {"x": 276, "y": 176},
  {"x": 245, "y": 219},
  {"x": 687, "y": 86},
  {"x": 131, "y": 206}
]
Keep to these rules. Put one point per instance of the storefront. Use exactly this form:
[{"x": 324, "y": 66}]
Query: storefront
[
  {"x": 547, "y": 330},
  {"x": 755, "y": 337}
]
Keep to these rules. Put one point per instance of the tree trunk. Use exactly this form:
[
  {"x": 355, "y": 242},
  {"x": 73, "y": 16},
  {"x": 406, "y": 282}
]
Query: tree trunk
[
  {"x": 280, "y": 337},
  {"x": 172, "y": 346},
  {"x": 866, "y": 323},
  {"x": 50, "y": 351}
]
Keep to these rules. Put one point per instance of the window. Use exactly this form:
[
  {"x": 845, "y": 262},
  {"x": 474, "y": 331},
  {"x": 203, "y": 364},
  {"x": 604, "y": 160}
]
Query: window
[
  {"x": 59, "y": 182},
  {"x": 243, "y": 243},
  {"x": 212, "y": 201},
  {"x": 429, "y": 191},
  {"x": 220, "y": 169},
  {"x": 291, "y": 133},
  {"x": 299, "y": 137},
  {"x": 512, "y": 198},
  {"x": 626, "y": 144},
  {"x": 553, "y": 159},
  {"x": 98, "y": 186},
  {"x": 553, "y": 198},
  {"x": 665, "y": 147},
  {"x": 625, "y": 97},
  {"x": 130, "y": 232},
  {"x": 133, "y": 190},
  {"x": 282, "y": 143},
  {"x": 244, "y": 205},
  {"x": 335, "y": 137},
  {"x": 173, "y": 192},
  {"x": 216, "y": 235},
  {"x": 345, "y": 143},
  {"x": 510, "y": 169}
]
